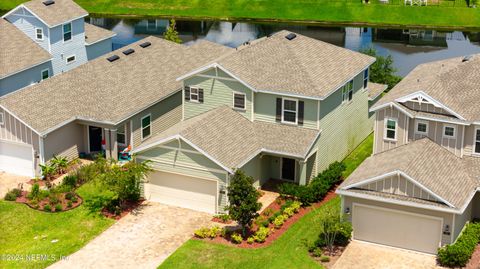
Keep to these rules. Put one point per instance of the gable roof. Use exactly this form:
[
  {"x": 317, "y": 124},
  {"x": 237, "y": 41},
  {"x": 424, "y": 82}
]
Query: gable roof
[
  {"x": 455, "y": 83},
  {"x": 109, "y": 92},
  {"x": 94, "y": 34},
  {"x": 302, "y": 66},
  {"x": 18, "y": 52},
  {"x": 429, "y": 164},
  {"x": 232, "y": 140},
  {"x": 60, "y": 12},
  {"x": 375, "y": 90}
]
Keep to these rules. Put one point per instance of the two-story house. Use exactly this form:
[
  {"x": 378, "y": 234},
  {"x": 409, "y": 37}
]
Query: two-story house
[
  {"x": 41, "y": 39},
  {"x": 281, "y": 107},
  {"x": 419, "y": 188}
]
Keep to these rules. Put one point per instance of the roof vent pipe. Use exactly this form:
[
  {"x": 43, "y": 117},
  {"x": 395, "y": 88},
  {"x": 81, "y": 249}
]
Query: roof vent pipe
[
  {"x": 48, "y": 2},
  {"x": 467, "y": 58}
]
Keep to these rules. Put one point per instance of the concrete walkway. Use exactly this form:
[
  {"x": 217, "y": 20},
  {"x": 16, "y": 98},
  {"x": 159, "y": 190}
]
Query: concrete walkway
[
  {"x": 267, "y": 198},
  {"x": 363, "y": 255},
  {"x": 142, "y": 239},
  {"x": 9, "y": 181}
]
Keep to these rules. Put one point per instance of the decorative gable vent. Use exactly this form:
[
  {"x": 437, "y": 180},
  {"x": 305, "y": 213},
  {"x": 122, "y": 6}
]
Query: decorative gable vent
[
  {"x": 48, "y": 2},
  {"x": 291, "y": 36},
  {"x": 145, "y": 44},
  {"x": 128, "y": 52},
  {"x": 113, "y": 58}
]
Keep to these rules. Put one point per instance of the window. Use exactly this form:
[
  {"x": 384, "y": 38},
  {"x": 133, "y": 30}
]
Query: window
[
  {"x": 45, "y": 74},
  {"x": 477, "y": 141},
  {"x": 39, "y": 33},
  {"x": 391, "y": 129},
  {"x": 289, "y": 111},
  {"x": 121, "y": 135},
  {"x": 71, "y": 59},
  {"x": 146, "y": 126},
  {"x": 67, "y": 32},
  {"x": 194, "y": 94},
  {"x": 449, "y": 131},
  {"x": 2, "y": 118},
  {"x": 347, "y": 92},
  {"x": 366, "y": 77},
  {"x": 239, "y": 100},
  {"x": 422, "y": 127}
]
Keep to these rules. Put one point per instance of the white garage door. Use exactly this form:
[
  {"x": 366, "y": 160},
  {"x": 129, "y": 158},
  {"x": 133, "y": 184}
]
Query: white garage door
[
  {"x": 16, "y": 158},
  {"x": 396, "y": 228},
  {"x": 183, "y": 191}
]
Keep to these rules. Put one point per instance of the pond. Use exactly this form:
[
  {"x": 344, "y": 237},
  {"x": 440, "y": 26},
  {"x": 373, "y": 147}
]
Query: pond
[{"x": 408, "y": 47}]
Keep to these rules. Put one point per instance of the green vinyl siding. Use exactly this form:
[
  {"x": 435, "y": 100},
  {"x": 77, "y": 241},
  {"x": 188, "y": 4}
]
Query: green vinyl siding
[
  {"x": 265, "y": 109},
  {"x": 216, "y": 92},
  {"x": 344, "y": 126}
]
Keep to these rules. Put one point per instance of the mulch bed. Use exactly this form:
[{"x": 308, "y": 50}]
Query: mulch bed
[
  {"x": 474, "y": 262},
  {"x": 337, "y": 252},
  {"x": 219, "y": 220},
  {"x": 41, "y": 204},
  {"x": 276, "y": 233},
  {"x": 127, "y": 208}
]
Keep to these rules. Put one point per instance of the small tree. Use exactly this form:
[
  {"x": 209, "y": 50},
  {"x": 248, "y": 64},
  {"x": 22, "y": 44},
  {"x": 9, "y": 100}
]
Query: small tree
[
  {"x": 382, "y": 71},
  {"x": 243, "y": 200},
  {"x": 171, "y": 33},
  {"x": 335, "y": 230}
]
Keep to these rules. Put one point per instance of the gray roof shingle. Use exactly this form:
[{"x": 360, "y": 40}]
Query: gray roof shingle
[
  {"x": 232, "y": 139},
  {"x": 18, "y": 51},
  {"x": 94, "y": 34},
  {"x": 60, "y": 12}
]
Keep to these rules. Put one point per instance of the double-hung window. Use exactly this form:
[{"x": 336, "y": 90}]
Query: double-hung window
[
  {"x": 193, "y": 94},
  {"x": 366, "y": 77},
  {"x": 39, "y": 33},
  {"x": 45, "y": 74},
  {"x": 239, "y": 100},
  {"x": 347, "y": 92},
  {"x": 67, "y": 32},
  {"x": 477, "y": 141},
  {"x": 289, "y": 111},
  {"x": 421, "y": 128},
  {"x": 449, "y": 131},
  {"x": 146, "y": 126},
  {"x": 391, "y": 129}
]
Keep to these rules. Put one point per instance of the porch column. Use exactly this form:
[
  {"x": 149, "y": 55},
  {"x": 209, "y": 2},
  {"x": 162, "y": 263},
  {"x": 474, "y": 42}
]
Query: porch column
[
  {"x": 114, "y": 144},
  {"x": 108, "y": 146},
  {"x": 302, "y": 165}
]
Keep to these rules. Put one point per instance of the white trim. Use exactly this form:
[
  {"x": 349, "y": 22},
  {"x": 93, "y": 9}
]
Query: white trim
[
  {"x": 291, "y": 111},
  {"x": 398, "y": 172},
  {"x": 294, "y": 170},
  {"x": 433, "y": 101},
  {"x": 24, "y": 69},
  {"x": 41, "y": 74},
  {"x": 149, "y": 126},
  {"x": 196, "y": 94},
  {"x": 41, "y": 146},
  {"x": 475, "y": 130},
  {"x": 100, "y": 40},
  {"x": 206, "y": 154},
  {"x": 442, "y": 120},
  {"x": 292, "y": 95},
  {"x": 2, "y": 118},
  {"x": 252, "y": 106},
  {"x": 182, "y": 164},
  {"x": 36, "y": 34},
  {"x": 131, "y": 134},
  {"x": 417, "y": 122},
  {"x": 391, "y": 104},
  {"x": 454, "y": 131},
  {"x": 13, "y": 115},
  {"x": 216, "y": 77},
  {"x": 385, "y": 128},
  {"x": 71, "y": 62},
  {"x": 244, "y": 100}
]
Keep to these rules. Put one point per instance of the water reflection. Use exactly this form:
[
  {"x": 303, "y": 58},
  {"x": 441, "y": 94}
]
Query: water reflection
[{"x": 408, "y": 47}]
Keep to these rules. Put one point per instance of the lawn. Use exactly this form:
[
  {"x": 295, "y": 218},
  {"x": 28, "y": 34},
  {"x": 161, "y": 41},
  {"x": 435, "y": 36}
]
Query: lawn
[
  {"x": 25, "y": 231},
  {"x": 332, "y": 11},
  {"x": 289, "y": 251}
]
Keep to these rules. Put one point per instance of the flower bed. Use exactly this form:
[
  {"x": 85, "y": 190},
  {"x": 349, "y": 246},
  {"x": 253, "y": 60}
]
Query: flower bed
[{"x": 53, "y": 203}]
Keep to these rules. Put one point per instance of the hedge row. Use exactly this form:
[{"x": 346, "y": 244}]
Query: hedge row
[
  {"x": 318, "y": 186},
  {"x": 459, "y": 254}
]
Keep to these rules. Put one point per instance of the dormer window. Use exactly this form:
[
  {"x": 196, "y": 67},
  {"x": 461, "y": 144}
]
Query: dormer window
[
  {"x": 39, "y": 33},
  {"x": 390, "y": 129},
  {"x": 193, "y": 94},
  {"x": 239, "y": 100},
  {"x": 67, "y": 32}
]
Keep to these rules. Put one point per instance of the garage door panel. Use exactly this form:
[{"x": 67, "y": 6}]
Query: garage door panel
[
  {"x": 397, "y": 228},
  {"x": 184, "y": 191},
  {"x": 16, "y": 158}
]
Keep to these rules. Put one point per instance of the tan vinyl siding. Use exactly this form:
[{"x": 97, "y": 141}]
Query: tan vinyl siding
[
  {"x": 426, "y": 108},
  {"x": 344, "y": 126},
  {"x": 398, "y": 185},
  {"x": 177, "y": 158},
  {"x": 216, "y": 92},
  {"x": 447, "y": 217},
  {"x": 67, "y": 141},
  {"x": 469, "y": 147},
  {"x": 262, "y": 168},
  {"x": 462, "y": 219},
  {"x": 435, "y": 133},
  {"x": 163, "y": 115},
  {"x": 382, "y": 144},
  {"x": 265, "y": 109}
]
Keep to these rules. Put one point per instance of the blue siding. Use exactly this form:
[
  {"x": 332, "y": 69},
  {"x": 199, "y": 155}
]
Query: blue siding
[
  {"x": 27, "y": 23},
  {"x": 23, "y": 79},
  {"x": 98, "y": 49}
]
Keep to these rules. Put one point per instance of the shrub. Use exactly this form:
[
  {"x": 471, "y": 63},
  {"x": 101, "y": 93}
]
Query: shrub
[
  {"x": 70, "y": 180},
  {"x": 13, "y": 194},
  {"x": 250, "y": 240},
  {"x": 261, "y": 234},
  {"x": 278, "y": 222},
  {"x": 214, "y": 231},
  {"x": 317, "y": 252},
  {"x": 35, "y": 191},
  {"x": 53, "y": 198},
  {"x": 59, "y": 164},
  {"x": 236, "y": 238},
  {"x": 335, "y": 230},
  {"x": 296, "y": 206},
  {"x": 74, "y": 199},
  {"x": 69, "y": 204},
  {"x": 223, "y": 217},
  {"x": 202, "y": 232},
  {"x": 324, "y": 259},
  {"x": 58, "y": 208},
  {"x": 342, "y": 237},
  {"x": 267, "y": 212},
  {"x": 47, "y": 208},
  {"x": 289, "y": 211},
  {"x": 69, "y": 195},
  {"x": 459, "y": 253},
  {"x": 47, "y": 171}
]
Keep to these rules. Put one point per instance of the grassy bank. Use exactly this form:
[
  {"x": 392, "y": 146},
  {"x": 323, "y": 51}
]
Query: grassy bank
[{"x": 439, "y": 13}]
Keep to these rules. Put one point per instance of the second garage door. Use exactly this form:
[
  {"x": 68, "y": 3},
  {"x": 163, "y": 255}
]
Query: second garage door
[
  {"x": 396, "y": 228},
  {"x": 16, "y": 158},
  {"x": 183, "y": 191}
]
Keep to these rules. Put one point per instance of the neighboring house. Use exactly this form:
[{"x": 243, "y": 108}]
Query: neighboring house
[
  {"x": 419, "y": 188},
  {"x": 56, "y": 27},
  {"x": 281, "y": 107}
]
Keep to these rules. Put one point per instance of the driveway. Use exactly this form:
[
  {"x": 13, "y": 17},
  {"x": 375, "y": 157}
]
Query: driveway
[
  {"x": 142, "y": 239},
  {"x": 364, "y": 255},
  {"x": 9, "y": 181}
]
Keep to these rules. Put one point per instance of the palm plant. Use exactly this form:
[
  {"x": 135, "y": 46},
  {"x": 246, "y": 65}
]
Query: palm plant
[
  {"x": 47, "y": 171},
  {"x": 60, "y": 164}
]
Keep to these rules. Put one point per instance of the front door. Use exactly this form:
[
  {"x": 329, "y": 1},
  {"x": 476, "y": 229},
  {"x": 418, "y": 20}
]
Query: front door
[
  {"x": 95, "y": 137},
  {"x": 288, "y": 169}
]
